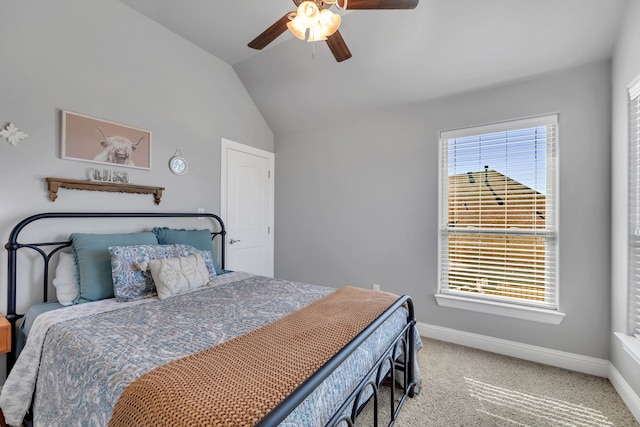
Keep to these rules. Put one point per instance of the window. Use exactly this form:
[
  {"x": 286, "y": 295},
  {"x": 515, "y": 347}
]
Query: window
[
  {"x": 634, "y": 209},
  {"x": 498, "y": 233}
]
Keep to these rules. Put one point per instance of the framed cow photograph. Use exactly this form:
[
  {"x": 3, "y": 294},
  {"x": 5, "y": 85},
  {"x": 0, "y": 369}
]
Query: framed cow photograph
[{"x": 95, "y": 140}]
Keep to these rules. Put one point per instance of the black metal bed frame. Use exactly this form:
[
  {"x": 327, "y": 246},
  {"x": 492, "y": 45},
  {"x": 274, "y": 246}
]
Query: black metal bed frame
[{"x": 398, "y": 356}]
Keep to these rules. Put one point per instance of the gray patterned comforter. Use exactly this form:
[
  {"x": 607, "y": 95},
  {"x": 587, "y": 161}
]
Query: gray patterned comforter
[{"x": 82, "y": 357}]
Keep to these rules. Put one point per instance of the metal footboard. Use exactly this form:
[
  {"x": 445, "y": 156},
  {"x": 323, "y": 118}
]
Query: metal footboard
[{"x": 399, "y": 355}]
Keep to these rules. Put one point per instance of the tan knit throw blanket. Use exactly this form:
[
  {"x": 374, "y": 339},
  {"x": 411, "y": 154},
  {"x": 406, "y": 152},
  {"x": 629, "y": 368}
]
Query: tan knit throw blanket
[{"x": 239, "y": 381}]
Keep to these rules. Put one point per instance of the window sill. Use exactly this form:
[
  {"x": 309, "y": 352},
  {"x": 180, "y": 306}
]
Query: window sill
[
  {"x": 533, "y": 314},
  {"x": 630, "y": 344}
]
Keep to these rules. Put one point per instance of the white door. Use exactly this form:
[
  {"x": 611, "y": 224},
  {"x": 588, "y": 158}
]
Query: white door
[{"x": 247, "y": 207}]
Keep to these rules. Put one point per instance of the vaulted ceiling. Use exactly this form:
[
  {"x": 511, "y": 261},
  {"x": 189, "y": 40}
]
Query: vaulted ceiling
[{"x": 442, "y": 47}]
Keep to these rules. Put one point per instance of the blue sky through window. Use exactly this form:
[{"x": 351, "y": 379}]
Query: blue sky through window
[{"x": 518, "y": 154}]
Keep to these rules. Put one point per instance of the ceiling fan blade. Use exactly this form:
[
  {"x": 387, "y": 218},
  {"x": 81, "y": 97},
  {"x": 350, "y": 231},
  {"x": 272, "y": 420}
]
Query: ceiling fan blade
[
  {"x": 338, "y": 47},
  {"x": 379, "y": 4},
  {"x": 270, "y": 34}
]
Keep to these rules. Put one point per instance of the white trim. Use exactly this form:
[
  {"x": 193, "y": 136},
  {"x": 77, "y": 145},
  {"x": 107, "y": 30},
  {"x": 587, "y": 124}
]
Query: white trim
[
  {"x": 551, "y": 119},
  {"x": 545, "y": 313},
  {"x": 560, "y": 359},
  {"x": 533, "y": 314},
  {"x": 633, "y": 293},
  {"x": 630, "y": 344},
  {"x": 626, "y": 393},
  {"x": 634, "y": 88}
]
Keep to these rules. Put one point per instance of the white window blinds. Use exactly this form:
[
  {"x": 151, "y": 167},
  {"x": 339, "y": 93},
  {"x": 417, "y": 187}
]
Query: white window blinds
[
  {"x": 634, "y": 209},
  {"x": 498, "y": 219}
]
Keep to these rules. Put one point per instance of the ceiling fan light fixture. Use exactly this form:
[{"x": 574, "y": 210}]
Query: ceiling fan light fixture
[
  {"x": 329, "y": 22},
  {"x": 321, "y": 23},
  {"x": 308, "y": 13},
  {"x": 297, "y": 29},
  {"x": 316, "y": 33}
]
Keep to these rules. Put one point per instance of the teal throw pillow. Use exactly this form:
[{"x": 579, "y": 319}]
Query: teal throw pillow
[{"x": 93, "y": 261}]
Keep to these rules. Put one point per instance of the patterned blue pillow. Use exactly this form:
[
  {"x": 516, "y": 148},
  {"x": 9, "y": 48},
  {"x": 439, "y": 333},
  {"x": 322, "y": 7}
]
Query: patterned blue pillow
[{"x": 129, "y": 282}]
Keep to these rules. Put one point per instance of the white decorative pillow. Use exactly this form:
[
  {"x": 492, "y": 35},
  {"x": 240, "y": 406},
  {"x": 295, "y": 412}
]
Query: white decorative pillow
[
  {"x": 65, "y": 280},
  {"x": 173, "y": 276}
]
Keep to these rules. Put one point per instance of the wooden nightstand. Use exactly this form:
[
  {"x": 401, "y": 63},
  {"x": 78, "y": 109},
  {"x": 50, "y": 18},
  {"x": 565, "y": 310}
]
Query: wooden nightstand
[{"x": 5, "y": 335}]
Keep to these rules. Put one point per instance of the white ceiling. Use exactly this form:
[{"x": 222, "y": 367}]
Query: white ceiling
[{"x": 442, "y": 47}]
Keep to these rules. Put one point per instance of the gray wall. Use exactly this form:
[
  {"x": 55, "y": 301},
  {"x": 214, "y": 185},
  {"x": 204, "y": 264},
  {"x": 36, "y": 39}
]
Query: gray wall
[
  {"x": 357, "y": 203},
  {"x": 103, "y": 59},
  {"x": 626, "y": 67}
]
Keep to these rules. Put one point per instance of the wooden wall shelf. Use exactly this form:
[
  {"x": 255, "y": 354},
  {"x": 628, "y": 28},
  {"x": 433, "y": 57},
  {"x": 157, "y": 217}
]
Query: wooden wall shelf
[{"x": 75, "y": 184}]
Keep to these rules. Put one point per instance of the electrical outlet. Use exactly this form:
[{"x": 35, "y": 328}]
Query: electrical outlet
[{"x": 376, "y": 287}]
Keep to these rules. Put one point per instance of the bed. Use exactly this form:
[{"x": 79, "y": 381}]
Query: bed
[{"x": 171, "y": 337}]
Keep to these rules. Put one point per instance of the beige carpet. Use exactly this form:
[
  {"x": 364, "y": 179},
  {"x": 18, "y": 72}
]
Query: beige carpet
[{"x": 468, "y": 387}]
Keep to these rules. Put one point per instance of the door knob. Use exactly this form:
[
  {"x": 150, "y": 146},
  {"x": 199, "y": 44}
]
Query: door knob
[{"x": 231, "y": 241}]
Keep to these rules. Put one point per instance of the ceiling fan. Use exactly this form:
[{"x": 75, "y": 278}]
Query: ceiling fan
[{"x": 315, "y": 19}]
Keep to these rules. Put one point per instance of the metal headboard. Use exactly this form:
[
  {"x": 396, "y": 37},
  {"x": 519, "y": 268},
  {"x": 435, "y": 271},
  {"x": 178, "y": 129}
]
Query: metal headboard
[{"x": 53, "y": 247}]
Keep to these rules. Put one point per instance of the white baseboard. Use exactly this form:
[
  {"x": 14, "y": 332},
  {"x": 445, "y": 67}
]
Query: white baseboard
[
  {"x": 560, "y": 359},
  {"x": 630, "y": 398}
]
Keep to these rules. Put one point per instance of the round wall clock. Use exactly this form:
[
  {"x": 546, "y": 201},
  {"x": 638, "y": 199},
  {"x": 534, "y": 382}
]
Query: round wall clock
[{"x": 178, "y": 165}]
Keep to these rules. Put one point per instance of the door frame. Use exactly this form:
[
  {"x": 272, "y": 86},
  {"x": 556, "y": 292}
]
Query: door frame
[{"x": 225, "y": 146}]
